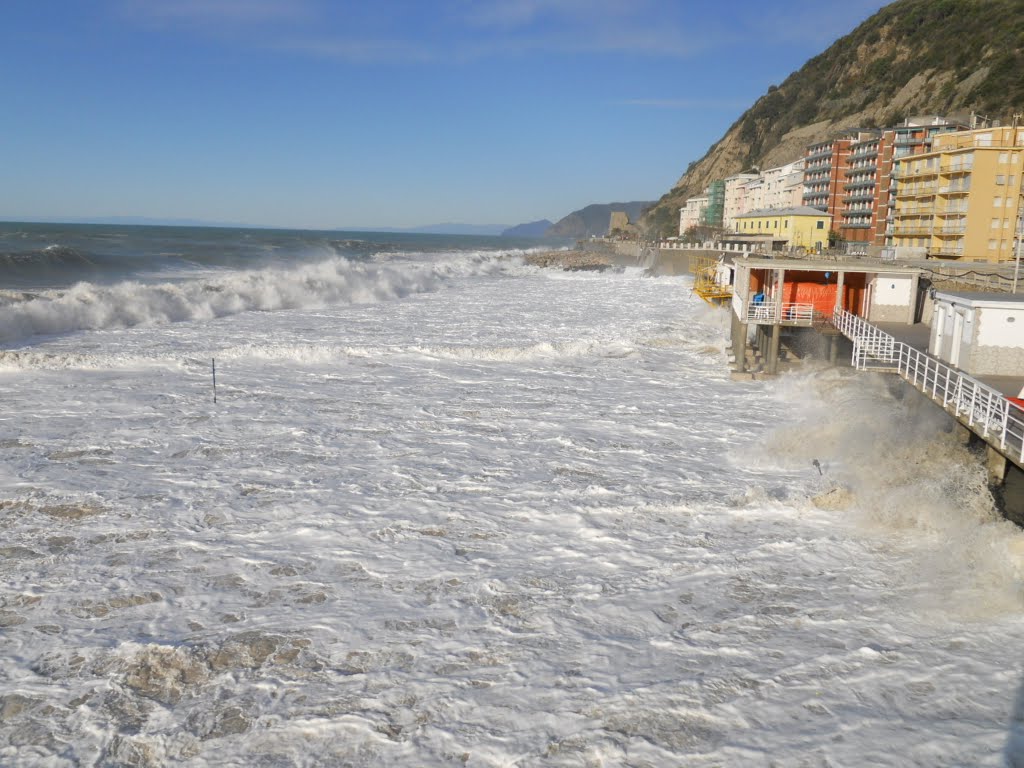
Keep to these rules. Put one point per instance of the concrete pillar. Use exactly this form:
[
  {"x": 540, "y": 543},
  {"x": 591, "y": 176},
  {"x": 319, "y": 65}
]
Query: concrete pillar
[
  {"x": 833, "y": 349},
  {"x": 996, "y": 465},
  {"x": 840, "y": 284},
  {"x": 1012, "y": 495},
  {"x": 773, "y": 350},
  {"x": 739, "y": 342}
]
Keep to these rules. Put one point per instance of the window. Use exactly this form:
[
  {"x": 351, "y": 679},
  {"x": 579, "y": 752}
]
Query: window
[
  {"x": 821, "y": 225},
  {"x": 1013, "y": 179},
  {"x": 991, "y": 245},
  {"x": 1004, "y": 157},
  {"x": 786, "y": 225},
  {"x": 1000, "y": 179},
  {"x": 998, "y": 202},
  {"x": 995, "y": 223}
]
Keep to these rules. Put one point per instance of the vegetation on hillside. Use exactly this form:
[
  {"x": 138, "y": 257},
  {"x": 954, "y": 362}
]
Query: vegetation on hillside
[{"x": 967, "y": 55}]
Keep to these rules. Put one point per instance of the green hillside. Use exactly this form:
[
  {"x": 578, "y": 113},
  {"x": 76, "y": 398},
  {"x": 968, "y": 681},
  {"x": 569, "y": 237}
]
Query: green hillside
[{"x": 913, "y": 57}]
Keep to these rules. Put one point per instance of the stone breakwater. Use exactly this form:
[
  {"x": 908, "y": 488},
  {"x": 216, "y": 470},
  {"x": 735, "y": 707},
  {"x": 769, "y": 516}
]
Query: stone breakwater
[{"x": 573, "y": 260}]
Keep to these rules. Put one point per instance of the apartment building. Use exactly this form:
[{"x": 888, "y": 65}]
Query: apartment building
[
  {"x": 715, "y": 209},
  {"x": 784, "y": 185},
  {"x": 692, "y": 213},
  {"x": 865, "y": 192},
  {"x": 911, "y": 137},
  {"x": 825, "y": 174},
  {"x": 797, "y": 227},
  {"x": 735, "y": 201},
  {"x": 962, "y": 199}
]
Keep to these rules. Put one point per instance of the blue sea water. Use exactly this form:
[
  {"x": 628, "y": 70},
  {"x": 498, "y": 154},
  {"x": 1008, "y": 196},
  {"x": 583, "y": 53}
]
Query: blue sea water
[{"x": 452, "y": 509}]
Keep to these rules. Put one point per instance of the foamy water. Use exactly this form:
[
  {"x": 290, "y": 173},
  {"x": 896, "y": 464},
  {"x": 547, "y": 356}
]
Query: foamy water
[{"x": 456, "y": 511}]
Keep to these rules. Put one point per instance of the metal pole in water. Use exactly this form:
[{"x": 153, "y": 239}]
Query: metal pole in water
[{"x": 213, "y": 364}]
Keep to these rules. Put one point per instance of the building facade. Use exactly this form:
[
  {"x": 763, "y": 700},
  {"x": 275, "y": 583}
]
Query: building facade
[
  {"x": 715, "y": 209},
  {"x": 784, "y": 186},
  {"x": 799, "y": 227},
  {"x": 825, "y": 167},
  {"x": 735, "y": 202},
  {"x": 691, "y": 214},
  {"x": 911, "y": 137},
  {"x": 961, "y": 200}
]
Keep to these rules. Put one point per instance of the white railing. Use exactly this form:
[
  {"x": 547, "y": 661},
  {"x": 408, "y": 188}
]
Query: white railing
[
  {"x": 978, "y": 405},
  {"x": 798, "y": 314},
  {"x": 776, "y": 312}
]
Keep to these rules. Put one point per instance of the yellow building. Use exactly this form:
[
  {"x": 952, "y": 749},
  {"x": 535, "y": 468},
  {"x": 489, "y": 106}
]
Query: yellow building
[
  {"x": 798, "y": 227},
  {"x": 962, "y": 199}
]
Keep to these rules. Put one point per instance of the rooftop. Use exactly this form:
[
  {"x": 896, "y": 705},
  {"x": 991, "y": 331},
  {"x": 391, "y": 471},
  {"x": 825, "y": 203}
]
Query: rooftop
[{"x": 798, "y": 210}]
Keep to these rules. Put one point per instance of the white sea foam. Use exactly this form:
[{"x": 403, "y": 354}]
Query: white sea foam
[
  {"x": 87, "y": 306},
  {"x": 510, "y": 521}
]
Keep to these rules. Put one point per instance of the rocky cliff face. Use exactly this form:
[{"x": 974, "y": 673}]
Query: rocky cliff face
[{"x": 913, "y": 57}]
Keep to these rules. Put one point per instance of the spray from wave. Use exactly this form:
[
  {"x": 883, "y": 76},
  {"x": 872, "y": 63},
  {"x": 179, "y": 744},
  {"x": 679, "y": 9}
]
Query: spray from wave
[
  {"x": 890, "y": 465},
  {"x": 337, "y": 280}
]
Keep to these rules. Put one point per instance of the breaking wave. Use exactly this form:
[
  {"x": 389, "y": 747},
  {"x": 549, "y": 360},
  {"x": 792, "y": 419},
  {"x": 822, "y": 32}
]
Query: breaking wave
[{"x": 337, "y": 280}]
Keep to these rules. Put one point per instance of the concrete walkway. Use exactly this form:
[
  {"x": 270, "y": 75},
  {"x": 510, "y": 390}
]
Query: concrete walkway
[{"x": 918, "y": 335}]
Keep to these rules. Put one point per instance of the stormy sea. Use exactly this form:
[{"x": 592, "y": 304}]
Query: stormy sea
[{"x": 275, "y": 498}]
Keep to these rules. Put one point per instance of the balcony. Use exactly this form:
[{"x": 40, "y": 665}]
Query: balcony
[
  {"x": 819, "y": 154},
  {"x": 951, "y": 168},
  {"x": 906, "y": 173},
  {"x": 860, "y": 183},
  {"x": 955, "y": 189},
  {"x": 912, "y": 230},
  {"x": 863, "y": 197},
  {"x": 947, "y": 251}
]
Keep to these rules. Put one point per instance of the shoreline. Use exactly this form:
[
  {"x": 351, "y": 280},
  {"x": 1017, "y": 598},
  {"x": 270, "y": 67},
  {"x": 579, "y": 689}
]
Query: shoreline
[{"x": 569, "y": 260}]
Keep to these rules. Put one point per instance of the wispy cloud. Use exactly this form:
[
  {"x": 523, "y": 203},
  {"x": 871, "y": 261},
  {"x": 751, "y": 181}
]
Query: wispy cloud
[
  {"x": 362, "y": 51},
  {"x": 410, "y": 30}
]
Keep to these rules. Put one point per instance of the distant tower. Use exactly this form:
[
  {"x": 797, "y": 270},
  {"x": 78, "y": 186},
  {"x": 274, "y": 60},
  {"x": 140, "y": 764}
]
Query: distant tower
[{"x": 618, "y": 224}]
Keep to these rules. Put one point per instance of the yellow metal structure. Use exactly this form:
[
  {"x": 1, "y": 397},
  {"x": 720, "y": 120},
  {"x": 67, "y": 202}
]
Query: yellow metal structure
[{"x": 705, "y": 281}]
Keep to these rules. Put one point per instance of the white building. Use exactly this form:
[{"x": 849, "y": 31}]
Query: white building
[
  {"x": 753, "y": 195},
  {"x": 979, "y": 333},
  {"x": 784, "y": 185},
  {"x": 691, "y": 213},
  {"x": 736, "y": 197}
]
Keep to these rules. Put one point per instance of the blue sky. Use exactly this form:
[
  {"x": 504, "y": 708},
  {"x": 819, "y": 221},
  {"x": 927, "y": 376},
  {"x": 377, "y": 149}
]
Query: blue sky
[{"x": 320, "y": 114}]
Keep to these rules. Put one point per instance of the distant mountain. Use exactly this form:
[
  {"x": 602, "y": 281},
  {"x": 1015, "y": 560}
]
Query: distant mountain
[
  {"x": 593, "y": 220},
  {"x": 911, "y": 58},
  {"x": 531, "y": 229},
  {"x": 450, "y": 228}
]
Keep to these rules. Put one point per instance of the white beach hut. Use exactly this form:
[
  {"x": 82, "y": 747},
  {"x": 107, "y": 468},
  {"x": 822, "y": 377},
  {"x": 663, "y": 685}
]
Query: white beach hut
[{"x": 979, "y": 333}]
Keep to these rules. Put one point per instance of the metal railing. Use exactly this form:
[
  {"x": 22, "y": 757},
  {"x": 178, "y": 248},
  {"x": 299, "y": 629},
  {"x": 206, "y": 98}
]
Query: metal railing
[
  {"x": 789, "y": 313},
  {"x": 978, "y": 405}
]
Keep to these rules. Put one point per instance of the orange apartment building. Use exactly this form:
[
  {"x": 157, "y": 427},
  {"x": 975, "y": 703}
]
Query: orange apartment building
[
  {"x": 825, "y": 165},
  {"x": 868, "y": 200}
]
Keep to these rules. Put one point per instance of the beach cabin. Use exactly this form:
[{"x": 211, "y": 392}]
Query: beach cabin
[
  {"x": 979, "y": 333},
  {"x": 774, "y": 293}
]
